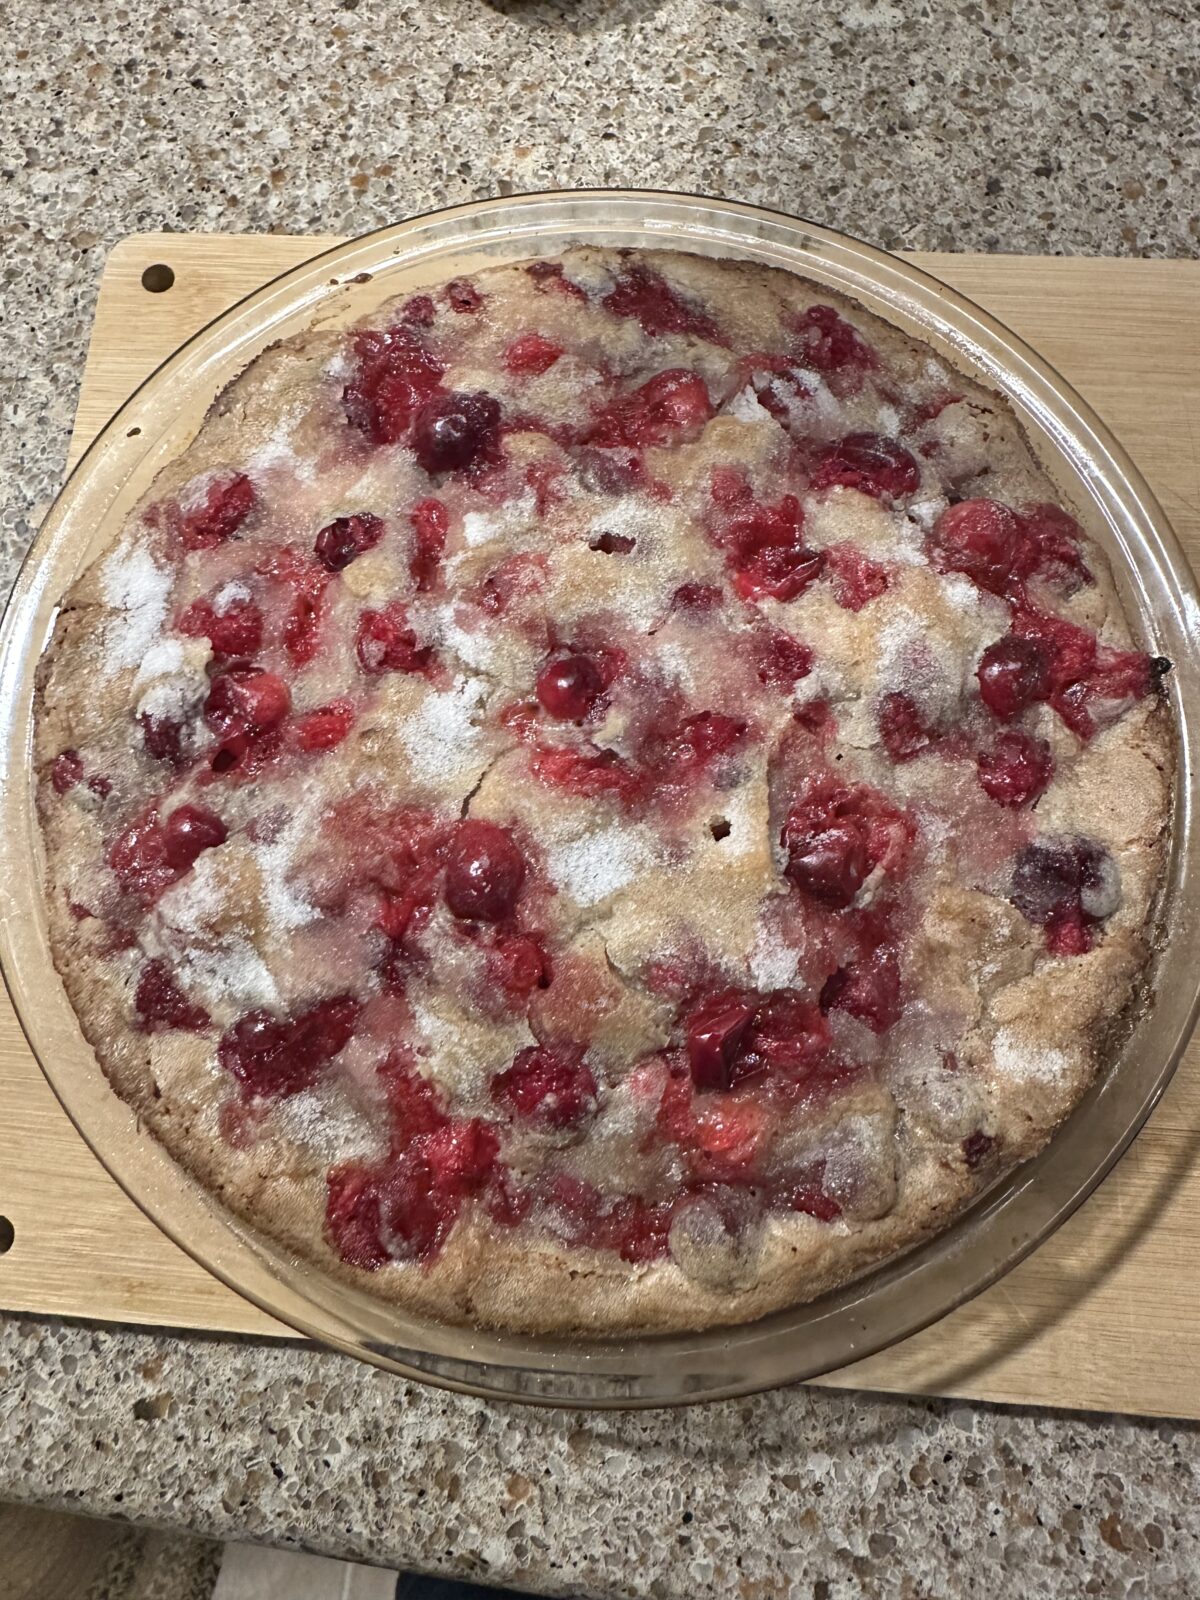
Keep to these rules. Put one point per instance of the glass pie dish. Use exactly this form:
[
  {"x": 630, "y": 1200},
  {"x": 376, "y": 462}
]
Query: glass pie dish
[{"x": 339, "y": 287}]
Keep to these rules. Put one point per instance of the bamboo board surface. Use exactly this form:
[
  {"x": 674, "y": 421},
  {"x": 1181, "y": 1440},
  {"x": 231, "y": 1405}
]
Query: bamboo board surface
[{"x": 1106, "y": 1315}]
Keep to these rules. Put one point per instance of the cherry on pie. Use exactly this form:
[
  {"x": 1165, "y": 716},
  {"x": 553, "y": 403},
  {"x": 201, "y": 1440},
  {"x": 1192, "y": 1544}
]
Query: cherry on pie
[{"x": 610, "y": 796}]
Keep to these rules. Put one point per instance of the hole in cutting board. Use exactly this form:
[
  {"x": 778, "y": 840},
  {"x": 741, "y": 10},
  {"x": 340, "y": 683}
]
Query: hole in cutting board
[
  {"x": 7, "y": 1235},
  {"x": 158, "y": 278}
]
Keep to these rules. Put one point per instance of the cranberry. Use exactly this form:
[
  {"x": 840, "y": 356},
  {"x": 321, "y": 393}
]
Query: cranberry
[
  {"x": 66, "y": 771},
  {"x": 714, "y": 1032},
  {"x": 530, "y": 354},
  {"x": 768, "y": 553},
  {"x": 647, "y": 297},
  {"x": 339, "y": 542},
  {"x": 519, "y": 964},
  {"x": 385, "y": 642},
  {"x": 161, "y": 1003},
  {"x": 868, "y": 989},
  {"x": 549, "y": 276},
  {"x": 788, "y": 1039},
  {"x": 236, "y": 630},
  {"x": 828, "y": 343},
  {"x": 697, "y": 596},
  {"x": 463, "y": 295},
  {"x": 670, "y": 408},
  {"x": 394, "y": 376},
  {"x": 804, "y": 1191},
  {"x": 980, "y": 538},
  {"x": 976, "y": 1148},
  {"x": 138, "y": 857},
  {"x": 552, "y": 1087},
  {"x": 275, "y": 1057},
  {"x": 1014, "y": 674},
  {"x": 613, "y": 472},
  {"x": 857, "y": 580},
  {"x": 869, "y": 462},
  {"x": 163, "y": 739},
  {"x": 419, "y": 311},
  {"x": 568, "y": 686},
  {"x": 1017, "y": 769},
  {"x": 1065, "y": 883},
  {"x": 1052, "y": 539},
  {"x": 782, "y": 660},
  {"x": 484, "y": 872},
  {"x": 694, "y": 743},
  {"x": 902, "y": 728},
  {"x": 455, "y": 432},
  {"x": 829, "y": 863},
  {"x": 246, "y": 698},
  {"x": 188, "y": 831},
  {"x": 588, "y": 772},
  {"x": 430, "y": 523},
  {"x": 325, "y": 727},
  {"x": 226, "y": 505}
]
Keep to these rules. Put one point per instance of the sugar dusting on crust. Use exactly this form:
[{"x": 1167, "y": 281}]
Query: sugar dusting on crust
[
  {"x": 135, "y": 586},
  {"x": 1023, "y": 1062},
  {"x": 441, "y": 738},
  {"x": 595, "y": 867}
]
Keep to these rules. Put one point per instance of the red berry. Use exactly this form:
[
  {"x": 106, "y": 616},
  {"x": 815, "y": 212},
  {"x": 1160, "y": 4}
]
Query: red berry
[
  {"x": 463, "y": 295},
  {"x": 275, "y": 1057},
  {"x": 1017, "y": 769},
  {"x": 66, "y": 771},
  {"x": 903, "y": 729},
  {"x": 226, "y": 505},
  {"x": 767, "y": 550},
  {"x": 868, "y": 989},
  {"x": 236, "y": 630},
  {"x": 484, "y": 872},
  {"x": 869, "y": 462},
  {"x": 1066, "y": 886},
  {"x": 670, "y": 408},
  {"x": 697, "y": 596},
  {"x": 700, "y": 739},
  {"x": 325, "y": 727},
  {"x": 568, "y": 686},
  {"x": 385, "y": 642},
  {"x": 160, "y": 1002},
  {"x": 551, "y": 1087},
  {"x": 976, "y": 1148},
  {"x": 714, "y": 1032},
  {"x": 828, "y": 343},
  {"x": 980, "y": 538},
  {"x": 394, "y": 376},
  {"x": 649, "y": 299},
  {"x": 188, "y": 831},
  {"x": 246, "y": 698},
  {"x": 549, "y": 276},
  {"x": 162, "y": 739},
  {"x": 530, "y": 354},
  {"x": 857, "y": 579},
  {"x": 519, "y": 964},
  {"x": 430, "y": 523},
  {"x": 1052, "y": 540},
  {"x": 829, "y": 863},
  {"x": 456, "y": 432},
  {"x": 341, "y": 541},
  {"x": 782, "y": 660},
  {"x": 419, "y": 311},
  {"x": 1014, "y": 674}
]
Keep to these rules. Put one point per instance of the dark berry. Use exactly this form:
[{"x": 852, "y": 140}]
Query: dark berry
[
  {"x": 66, "y": 771},
  {"x": 1014, "y": 674},
  {"x": 430, "y": 524},
  {"x": 463, "y": 295},
  {"x": 339, "y": 542},
  {"x": 714, "y": 1032},
  {"x": 569, "y": 686},
  {"x": 828, "y": 343},
  {"x": 1017, "y": 769},
  {"x": 455, "y": 432},
  {"x": 869, "y": 462},
  {"x": 548, "y": 1086},
  {"x": 530, "y": 354},
  {"x": 980, "y": 538},
  {"x": 226, "y": 504},
  {"x": 188, "y": 831},
  {"x": 830, "y": 863},
  {"x": 868, "y": 989},
  {"x": 903, "y": 729},
  {"x": 484, "y": 872},
  {"x": 160, "y": 1002},
  {"x": 325, "y": 727},
  {"x": 670, "y": 408},
  {"x": 394, "y": 376},
  {"x": 275, "y": 1056},
  {"x": 247, "y": 698},
  {"x": 647, "y": 297},
  {"x": 385, "y": 642},
  {"x": 1064, "y": 886}
]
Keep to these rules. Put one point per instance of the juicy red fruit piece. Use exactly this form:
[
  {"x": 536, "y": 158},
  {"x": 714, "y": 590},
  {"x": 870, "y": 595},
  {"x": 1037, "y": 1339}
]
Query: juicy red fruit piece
[
  {"x": 385, "y": 642},
  {"x": 1017, "y": 769},
  {"x": 857, "y": 580},
  {"x": 326, "y": 727},
  {"x": 430, "y": 524},
  {"x": 275, "y": 1057},
  {"x": 235, "y": 630},
  {"x": 569, "y": 686},
  {"x": 1014, "y": 674},
  {"x": 828, "y": 343},
  {"x": 550, "y": 1087},
  {"x": 163, "y": 739},
  {"x": 160, "y": 1003},
  {"x": 1066, "y": 886},
  {"x": 714, "y": 1033},
  {"x": 340, "y": 541},
  {"x": 66, "y": 771},
  {"x": 828, "y": 862},
  {"x": 484, "y": 872},
  {"x": 980, "y": 538},
  {"x": 462, "y": 295},
  {"x": 189, "y": 831},
  {"x": 226, "y": 505},
  {"x": 669, "y": 409},
  {"x": 531, "y": 354},
  {"x": 394, "y": 376},
  {"x": 455, "y": 432},
  {"x": 869, "y": 462},
  {"x": 868, "y": 989},
  {"x": 246, "y": 698},
  {"x": 903, "y": 729},
  {"x": 649, "y": 299},
  {"x": 767, "y": 551},
  {"x": 783, "y": 661},
  {"x": 836, "y": 834}
]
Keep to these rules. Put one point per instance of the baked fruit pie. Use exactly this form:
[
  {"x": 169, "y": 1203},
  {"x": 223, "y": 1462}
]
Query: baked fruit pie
[{"x": 610, "y": 796}]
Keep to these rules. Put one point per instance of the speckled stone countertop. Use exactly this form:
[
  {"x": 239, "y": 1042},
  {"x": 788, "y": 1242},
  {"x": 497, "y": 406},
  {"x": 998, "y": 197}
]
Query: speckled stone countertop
[{"x": 975, "y": 125}]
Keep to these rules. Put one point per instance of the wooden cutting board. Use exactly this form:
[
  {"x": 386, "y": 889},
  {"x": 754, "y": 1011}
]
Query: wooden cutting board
[{"x": 1106, "y": 1315}]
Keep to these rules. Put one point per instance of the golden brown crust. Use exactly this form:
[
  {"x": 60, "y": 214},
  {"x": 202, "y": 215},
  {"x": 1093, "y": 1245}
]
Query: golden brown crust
[{"x": 1031, "y": 1029}]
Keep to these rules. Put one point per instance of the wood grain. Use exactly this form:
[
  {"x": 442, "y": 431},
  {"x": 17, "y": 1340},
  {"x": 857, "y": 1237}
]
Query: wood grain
[{"x": 1107, "y": 1314}]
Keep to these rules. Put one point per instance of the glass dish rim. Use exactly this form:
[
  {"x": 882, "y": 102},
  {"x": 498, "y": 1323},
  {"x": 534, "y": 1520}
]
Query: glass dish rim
[{"x": 477, "y": 1373}]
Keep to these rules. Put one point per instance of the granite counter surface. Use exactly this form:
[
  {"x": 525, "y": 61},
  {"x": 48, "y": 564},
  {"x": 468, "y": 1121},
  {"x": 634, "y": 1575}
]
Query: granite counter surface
[{"x": 975, "y": 125}]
